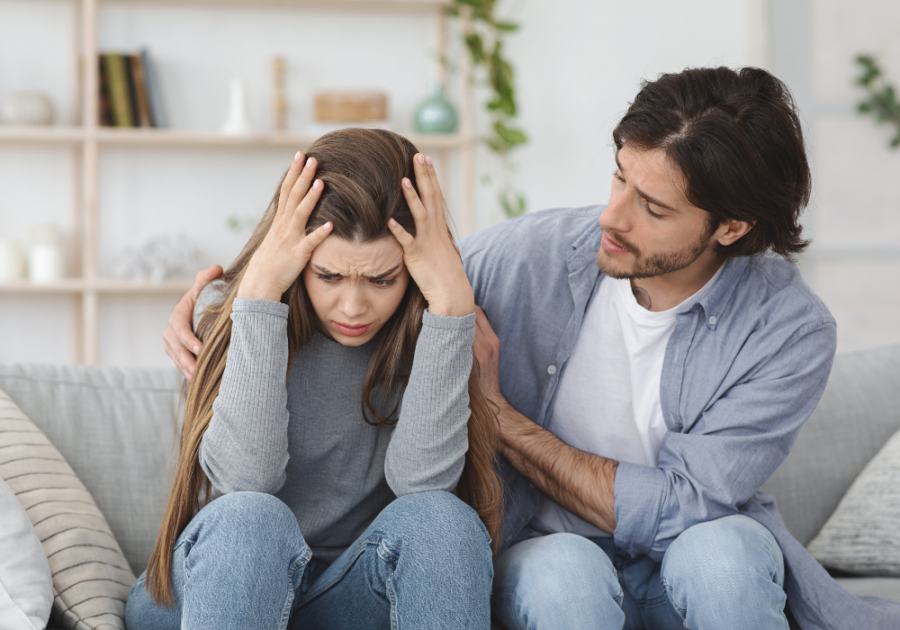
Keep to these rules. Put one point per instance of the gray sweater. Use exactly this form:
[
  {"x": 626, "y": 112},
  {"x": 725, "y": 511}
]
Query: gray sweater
[{"x": 303, "y": 438}]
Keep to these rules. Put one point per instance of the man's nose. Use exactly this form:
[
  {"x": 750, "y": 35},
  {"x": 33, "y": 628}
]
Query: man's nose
[{"x": 615, "y": 216}]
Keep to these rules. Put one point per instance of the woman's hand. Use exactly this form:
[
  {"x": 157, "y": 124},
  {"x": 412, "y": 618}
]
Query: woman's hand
[
  {"x": 286, "y": 248},
  {"x": 430, "y": 256}
]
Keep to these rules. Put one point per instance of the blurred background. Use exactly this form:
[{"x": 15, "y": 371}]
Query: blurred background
[{"x": 102, "y": 226}]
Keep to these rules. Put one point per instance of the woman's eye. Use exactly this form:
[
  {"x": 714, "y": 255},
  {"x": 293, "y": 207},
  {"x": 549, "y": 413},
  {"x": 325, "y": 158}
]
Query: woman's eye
[
  {"x": 329, "y": 277},
  {"x": 384, "y": 283}
]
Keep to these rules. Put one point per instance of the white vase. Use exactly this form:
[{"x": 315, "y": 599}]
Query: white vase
[
  {"x": 27, "y": 108},
  {"x": 237, "y": 122}
]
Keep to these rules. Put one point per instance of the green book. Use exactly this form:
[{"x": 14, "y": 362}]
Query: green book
[{"x": 119, "y": 95}]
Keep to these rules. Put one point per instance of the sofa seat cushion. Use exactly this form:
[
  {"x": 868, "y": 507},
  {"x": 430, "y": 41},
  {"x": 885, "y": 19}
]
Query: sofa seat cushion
[{"x": 886, "y": 587}]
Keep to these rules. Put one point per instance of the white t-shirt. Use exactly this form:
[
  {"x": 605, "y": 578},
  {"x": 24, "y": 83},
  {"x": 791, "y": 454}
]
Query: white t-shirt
[{"x": 608, "y": 397}]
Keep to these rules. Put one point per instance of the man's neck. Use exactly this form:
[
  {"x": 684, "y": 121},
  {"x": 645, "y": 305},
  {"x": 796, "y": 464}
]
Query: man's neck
[{"x": 660, "y": 293}]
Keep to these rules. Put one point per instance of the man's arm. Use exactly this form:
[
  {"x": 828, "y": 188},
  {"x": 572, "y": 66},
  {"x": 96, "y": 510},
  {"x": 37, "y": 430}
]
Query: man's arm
[
  {"x": 182, "y": 345},
  {"x": 732, "y": 448},
  {"x": 582, "y": 483}
]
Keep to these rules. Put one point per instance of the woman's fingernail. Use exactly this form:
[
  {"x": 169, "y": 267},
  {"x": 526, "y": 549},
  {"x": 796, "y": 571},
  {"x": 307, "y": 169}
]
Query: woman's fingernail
[
  {"x": 327, "y": 226},
  {"x": 317, "y": 184},
  {"x": 309, "y": 163},
  {"x": 421, "y": 158},
  {"x": 428, "y": 159},
  {"x": 298, "y": 156},
  {"x": 392, "y": 222},
  {"x": 196, "y": 349},
  {"x": 407, "y": 183}
]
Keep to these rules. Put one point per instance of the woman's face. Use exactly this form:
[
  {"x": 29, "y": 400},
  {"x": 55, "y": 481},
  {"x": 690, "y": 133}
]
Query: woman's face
[{"x": 355, "y": 287}]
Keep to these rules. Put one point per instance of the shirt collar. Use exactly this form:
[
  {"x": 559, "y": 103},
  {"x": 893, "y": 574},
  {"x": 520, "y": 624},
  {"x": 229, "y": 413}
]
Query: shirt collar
[{"x": 584, "y": 248}]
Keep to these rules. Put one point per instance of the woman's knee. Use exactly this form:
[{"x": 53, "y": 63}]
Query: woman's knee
[
  {"x": 438, "y": 522},
  {"x": 249, "y": 527}
]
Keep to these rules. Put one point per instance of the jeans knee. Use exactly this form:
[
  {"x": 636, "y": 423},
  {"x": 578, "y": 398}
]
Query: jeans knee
[
  {"x": 557, "y": 567},
  {"x": 723, "y": 556},
  {"x": 250, "y": 527},
  {"x": 441, "y": 522}
]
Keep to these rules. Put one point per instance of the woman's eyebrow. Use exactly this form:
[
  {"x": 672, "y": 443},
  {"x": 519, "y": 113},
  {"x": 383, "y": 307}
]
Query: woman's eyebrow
[
  {"x": 384, "y": 275},
  {"x": 381, "y": 276}
]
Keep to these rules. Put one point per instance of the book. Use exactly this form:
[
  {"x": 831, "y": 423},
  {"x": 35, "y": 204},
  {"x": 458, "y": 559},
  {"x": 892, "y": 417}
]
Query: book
[
  {"x": 132, "y": 97},
  {"x": 117, "y": 76},
  {"x": 104, "y": 104},
  {"x": 157, "y": 115},
  {"x": 140, "y": 91}
]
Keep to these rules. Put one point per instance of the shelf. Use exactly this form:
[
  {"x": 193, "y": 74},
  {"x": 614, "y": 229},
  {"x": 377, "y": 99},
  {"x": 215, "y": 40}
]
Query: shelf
[
  {"x": 41, "y": 135},
  {"x": 181, "y": 138},
  {"x": 392, "y": 5},
  {"x": 113, "y": 287}
]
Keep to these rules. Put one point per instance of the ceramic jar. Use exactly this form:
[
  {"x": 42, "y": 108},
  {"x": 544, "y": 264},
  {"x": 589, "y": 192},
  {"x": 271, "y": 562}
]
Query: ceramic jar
[
  {"x": 436, "y": 114},
  {"x": 27, "y": 108},
  {"x": 45, "y": 256}
]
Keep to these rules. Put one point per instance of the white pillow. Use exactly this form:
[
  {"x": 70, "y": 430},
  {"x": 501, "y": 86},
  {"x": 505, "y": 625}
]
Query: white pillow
[
  {"x": 863, "y": 534},
  {"x": 26, "y": 588}
]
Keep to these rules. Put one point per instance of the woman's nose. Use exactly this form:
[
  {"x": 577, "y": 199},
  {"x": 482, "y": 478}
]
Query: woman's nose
[{"x": 353, "y": 303}]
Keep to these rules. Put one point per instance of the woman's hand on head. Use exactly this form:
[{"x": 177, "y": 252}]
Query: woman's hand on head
[
  {"x": 430, "y": 256},
  {"x": 286, "y": 248}
]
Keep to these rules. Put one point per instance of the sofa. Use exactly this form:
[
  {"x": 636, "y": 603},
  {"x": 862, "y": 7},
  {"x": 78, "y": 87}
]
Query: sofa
[{"x": 117, "y": 429}]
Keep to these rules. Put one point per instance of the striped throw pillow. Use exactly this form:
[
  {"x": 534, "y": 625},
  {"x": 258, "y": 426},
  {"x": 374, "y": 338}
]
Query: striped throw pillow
[{"x": 91, "y": 578}]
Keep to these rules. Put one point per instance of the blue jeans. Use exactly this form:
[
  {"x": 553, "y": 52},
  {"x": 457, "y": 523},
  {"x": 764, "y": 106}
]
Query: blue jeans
[
  {"x": 726, "y": 574},
  {"x": 424, "y": 562}
]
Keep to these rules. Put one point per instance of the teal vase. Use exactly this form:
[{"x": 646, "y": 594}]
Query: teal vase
[{"x": 436, "y": 114}]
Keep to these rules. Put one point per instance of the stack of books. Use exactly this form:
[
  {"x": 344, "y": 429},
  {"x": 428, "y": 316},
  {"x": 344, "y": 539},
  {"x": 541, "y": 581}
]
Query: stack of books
[{"x": 129, "y": 91}]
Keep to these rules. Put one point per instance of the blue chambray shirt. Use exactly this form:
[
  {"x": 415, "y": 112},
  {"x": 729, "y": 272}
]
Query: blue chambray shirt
[{"x": 743, "y": 370}]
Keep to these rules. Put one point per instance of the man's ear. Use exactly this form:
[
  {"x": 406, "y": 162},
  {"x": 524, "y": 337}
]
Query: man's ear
[{"x": 732, "y": 230}]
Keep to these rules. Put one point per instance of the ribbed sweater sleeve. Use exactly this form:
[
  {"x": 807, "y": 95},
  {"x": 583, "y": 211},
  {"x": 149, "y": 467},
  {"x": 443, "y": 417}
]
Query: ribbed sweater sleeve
[
  {"x": 245, "y": 446},
  {"x": 428, "y": 446}
]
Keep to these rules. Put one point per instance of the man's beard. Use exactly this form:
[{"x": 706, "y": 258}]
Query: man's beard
[{"x": 656, "y": 264}]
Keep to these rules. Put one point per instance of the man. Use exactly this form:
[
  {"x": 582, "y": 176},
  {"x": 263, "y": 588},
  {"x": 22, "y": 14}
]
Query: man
[{"x": 651, "y": 370}]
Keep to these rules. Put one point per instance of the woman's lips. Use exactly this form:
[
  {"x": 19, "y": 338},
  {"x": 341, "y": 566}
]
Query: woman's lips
[
  {"x": 612, "y": 247},
  {"x": 352, "y": 330}
]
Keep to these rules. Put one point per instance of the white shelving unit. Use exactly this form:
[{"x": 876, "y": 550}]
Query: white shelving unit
[{"x": 89, "y": 139}]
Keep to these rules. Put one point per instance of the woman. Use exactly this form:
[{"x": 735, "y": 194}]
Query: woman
[{"x": 334, "y": 414}]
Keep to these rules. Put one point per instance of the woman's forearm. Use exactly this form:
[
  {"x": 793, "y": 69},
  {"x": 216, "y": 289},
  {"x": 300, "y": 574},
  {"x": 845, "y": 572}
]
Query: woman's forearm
[
  {"x": 245, "y": 446},
  {"x": 429, "y": 444}
]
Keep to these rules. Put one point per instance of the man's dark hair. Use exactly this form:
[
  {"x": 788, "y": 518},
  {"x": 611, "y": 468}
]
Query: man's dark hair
[{"x": 736, "y": 137}]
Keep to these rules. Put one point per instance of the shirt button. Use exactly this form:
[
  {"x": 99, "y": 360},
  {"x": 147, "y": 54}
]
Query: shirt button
[
  {"x": 713, "y": 320},
  {"x": 551, "y": 370}
]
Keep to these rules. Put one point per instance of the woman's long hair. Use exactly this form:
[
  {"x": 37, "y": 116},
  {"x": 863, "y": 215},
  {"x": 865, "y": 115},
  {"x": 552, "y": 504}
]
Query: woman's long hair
[{"x": 362, "y": 171}]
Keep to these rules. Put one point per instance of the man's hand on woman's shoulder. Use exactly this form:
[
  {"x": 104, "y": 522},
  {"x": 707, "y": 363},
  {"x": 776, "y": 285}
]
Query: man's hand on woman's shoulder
[{"x": 181, "y": 344}]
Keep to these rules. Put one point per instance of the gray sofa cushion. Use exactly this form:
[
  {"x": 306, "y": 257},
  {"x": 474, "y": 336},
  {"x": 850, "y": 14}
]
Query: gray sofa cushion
[
  {"x": 859, "y": 411},
  {"x": 862, "y": 537},
  {"x": 116, "y": 428}
]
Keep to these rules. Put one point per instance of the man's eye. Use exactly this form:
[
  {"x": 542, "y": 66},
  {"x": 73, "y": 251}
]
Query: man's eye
[{"x": 646, "y": 207}]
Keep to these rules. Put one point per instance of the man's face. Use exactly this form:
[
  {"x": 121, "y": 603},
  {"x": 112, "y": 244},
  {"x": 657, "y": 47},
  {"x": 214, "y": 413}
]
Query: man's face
[{"x": 649, "y": 228}]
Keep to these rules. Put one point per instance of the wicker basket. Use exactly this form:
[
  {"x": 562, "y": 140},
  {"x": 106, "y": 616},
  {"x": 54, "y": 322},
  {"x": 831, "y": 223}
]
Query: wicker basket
[{"x": 351, "y": 106}]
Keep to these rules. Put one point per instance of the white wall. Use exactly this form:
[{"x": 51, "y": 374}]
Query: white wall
[
  {"x": 578, "y": 65},
  {"x": 854, "y": 215}
]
